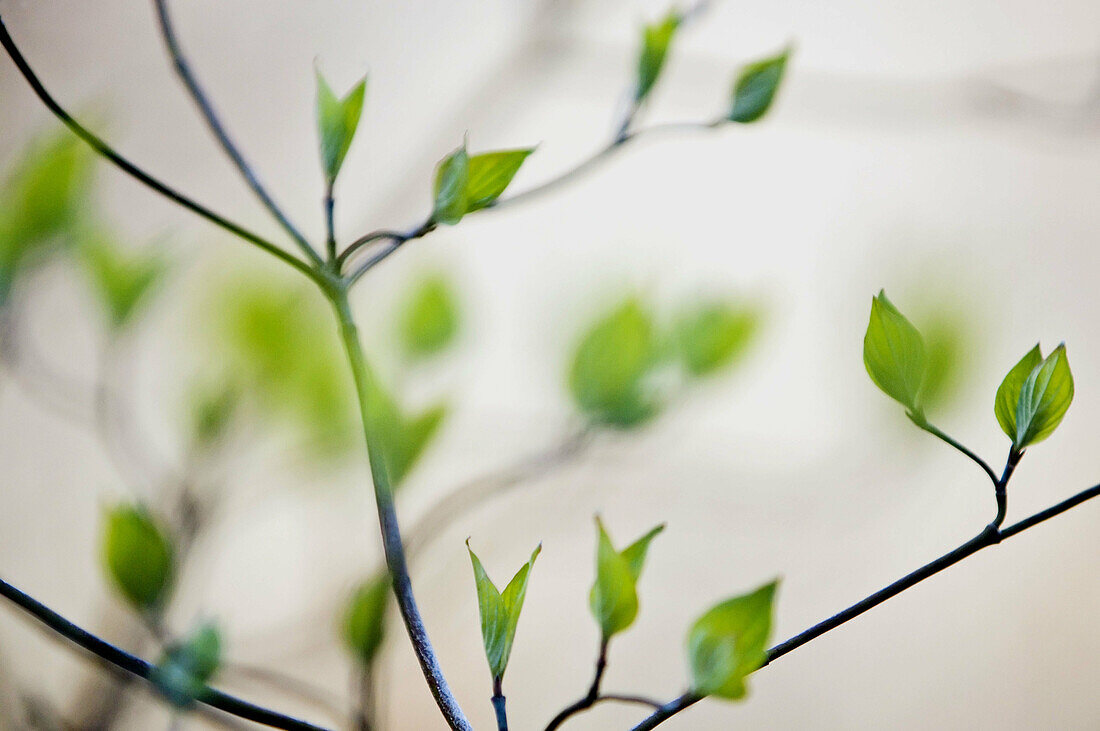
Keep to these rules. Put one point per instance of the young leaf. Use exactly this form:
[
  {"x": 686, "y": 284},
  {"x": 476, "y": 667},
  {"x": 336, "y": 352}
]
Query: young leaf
[
  {"x": 123, "y": 280},
  {"x": 500, "y": 611},
  {"x": 1008, "y": 393},
  {"x": 713, "y": 335},
  {"x": 755, "y": 88},
  {"x": 489, "y": 174},
  {"x": 656, "y": 38},
  {"x": 451, "y": 178},
  {"x": 611, "y": 363},
  {"x": 614, "y": 595},
  {"x": 182, "y": 674},
  {"x": 429, "y": 319},
  {"x": 1044, "y": 398},
  {"x": 137, "y": 556},
  {"x": 894, "y": 356},
  {"x": 729, "y": 642},
  {"x": 337, "y": 120},
  {"x": 365, "y": 619}
]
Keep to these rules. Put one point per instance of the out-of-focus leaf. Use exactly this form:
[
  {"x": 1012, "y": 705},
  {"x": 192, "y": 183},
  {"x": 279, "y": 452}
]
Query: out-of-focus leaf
[
  {"x": 500, "y": 611},
  {"x": 337, "y": 120},
  {"x": 729, "y": 642},
  {"x": 213, "y": 408},
  {"x": 137, "y": 556},
  {"x": 713, "y": 335},
  {"x": 429, "y": 318},
  {"x": 489, "y": 174},
  {"x": 656, "y": 39},
  {"x": 607, "y": 376},
  {"x": 123, "y": 280},
  {"x": 894, "y": 355},
  {"x": 1043, "y": 399},
  {"x": 182, "y": 674},
  {"x": 451, "y": 178},
  {"x": 949, "y": 344},
  {"x": 403, "y": 438},
  {"x": 365, "y": 619},
  {"x": 613, "y": 598},
  {"x": 755, "y": 88}
]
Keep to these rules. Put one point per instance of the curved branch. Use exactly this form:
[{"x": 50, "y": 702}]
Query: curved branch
[
  {"x": 144, "y": 669},
  {"x": 183, "y": 69},
  {"x": 137, "y": 173},
  {"x": 990, "y": 536}
]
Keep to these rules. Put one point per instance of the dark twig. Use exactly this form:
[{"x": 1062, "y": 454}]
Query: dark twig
[
  {"x": 207, "y": 109},
  {"x": 499, "y": 704},
  {"x": 396, "y": 240},
  {"x": 143, "y": 669},
  {"x": 140, "y": 175}
]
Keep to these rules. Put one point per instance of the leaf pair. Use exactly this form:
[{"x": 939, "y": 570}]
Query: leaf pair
[
  {"x": 466, "y": 183},
  {"x": 1034, "y": 397},
  {"x": 500, "y": 611},
  {"x": 729, "y": 642},
  {"x": 337, "y": 120},
  {"x": 138, "y": 556},
  {"x": 614, "y": 595},
  {"x": 182, "y": 674}
]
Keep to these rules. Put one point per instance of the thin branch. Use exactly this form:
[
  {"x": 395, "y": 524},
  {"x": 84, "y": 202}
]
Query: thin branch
[
  {"x": 397, "y": 239},
  {"x": 143, "y": 669},
  {"x": 991, "y": 535},
  {"x": 207, "y": 109},
  {"x": 137, "y": 173},
  {"x": 590, "y": 697},
  {"x": 499, "y": 707},
  {"x": 396, "y": 560},
  {"x": 935, "y": 431},
  {"x": 330, "y": 222}
]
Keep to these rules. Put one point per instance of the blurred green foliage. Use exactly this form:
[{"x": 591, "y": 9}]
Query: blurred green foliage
[
  {"x": 755, "y": 88},
  {"x": 712, "y": 335},
  {"x": 429, "y": 317},
  {"x": 187, "y": 666},
  {"x": 138, "y": 556},
  {"x": 656, "y": 39},
  {"x": 123, "y": 280},
  {"x": 365, "y": 619}
]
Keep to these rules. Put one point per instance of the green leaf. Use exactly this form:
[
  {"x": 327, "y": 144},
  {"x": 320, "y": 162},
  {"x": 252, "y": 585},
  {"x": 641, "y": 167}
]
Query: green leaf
[
  {"x": 894, "y": 355},
  {"x": 123, "y": 280},
  {"x": 1044, "y": 398},
  {"x": 402, "y": 438},
  {"x": 182, "y": 674},
  {"x": 451, "y": 178},
  {"x": 44, "y": 196},
  {"x": 137, "y": 556},
  {"x": 489, "y": 174},
  {"x": 213, "y": 408},
  {"x": 656, "y": 38},
  {"x": 365, "y": 619},
  {"x": 1008, "y": 393},
  {"x": 429, "y": 319},
  {"x": 337, "y": 120},
  {"x": 755, "y": 88},
  {"x": 607, "y": 376},
  {"x": 500, "y": 611},
  {"x": 713, "y": 335},
  {"x": 613, "y": 598},
  {"x": 729, "y": 642}
]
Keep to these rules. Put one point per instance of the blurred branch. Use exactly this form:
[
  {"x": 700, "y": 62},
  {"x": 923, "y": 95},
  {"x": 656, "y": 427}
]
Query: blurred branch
[
  {"x": 137, "y": 173},
  {"x": 183, "y": 69}
]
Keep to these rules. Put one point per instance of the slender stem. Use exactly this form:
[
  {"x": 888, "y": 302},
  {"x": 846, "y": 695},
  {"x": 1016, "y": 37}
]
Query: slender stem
[
  {"x": 330, "y": 222},
  {"x": 187, "y": 76},
  {"x": 366, "y": 390},
  {"x": 363, "y": 689},
  {"x": 141, "y": 668},
  {"x": 499, "y": 704},
  {"x": 140, "y": 175},
  {"x": 396, "y": 241},
  {"x": 638, "y": 700},
  {"x": 991, "y": 535},
  {"x": 590, "y": 698},
  {"x": 935, "y": 431}
]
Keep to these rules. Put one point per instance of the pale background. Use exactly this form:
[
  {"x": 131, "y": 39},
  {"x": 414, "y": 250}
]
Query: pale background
[{"x": 945, "y": 150}]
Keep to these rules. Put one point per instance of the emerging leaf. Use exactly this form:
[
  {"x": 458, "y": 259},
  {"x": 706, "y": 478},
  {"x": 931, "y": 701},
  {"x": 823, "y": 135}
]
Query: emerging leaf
[
  {"x": 614, "y": 595},
  {"x": 186, "y": 668},
  {"x": 713, "y": 335},
  {"x": 1044, "y": 398},
  {"x": 365, "y": 619},
  {"x": 137, "y": 556},
  {"x": 490, "y": 174},
  {"x": 656, "y": 39},
  {"x": 729, "y": 642},
  {"x": 451, "y": 178},
  {"x": 123, "y": 280},
  {"x": 500, "y": 611},
  {"x": 1008, "y": 393},
  {"x": 337, "y": 120},
  {"x": 755, "y": 88},
  {"x": 894, "y": 355},
  {"x": 429, "y": 319},
  {"x": 607, "y": 377}
]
